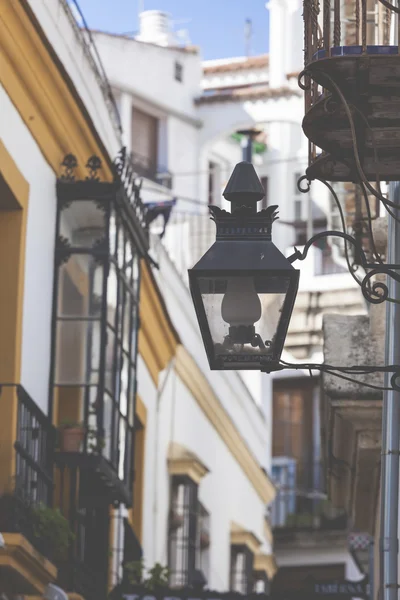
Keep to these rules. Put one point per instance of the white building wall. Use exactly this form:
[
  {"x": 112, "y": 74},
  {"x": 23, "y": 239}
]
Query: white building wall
[
  {"x": 65, "y": 38},
  {"x": 39, "y": 251},
  {"x": 148, "y": 71},
  {"x": 183, "y": 160}
]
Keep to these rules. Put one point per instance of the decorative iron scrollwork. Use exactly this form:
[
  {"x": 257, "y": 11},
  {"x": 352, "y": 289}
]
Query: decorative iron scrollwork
[
  {"x": 243, "y": 222},
  {"x": 119, "y": 162},
  {"x": 131, "y": 183},
  {"x": 69, "y": 164},
  {"x": 93, "y": 165},
  {"x": 63, "y": 250}
]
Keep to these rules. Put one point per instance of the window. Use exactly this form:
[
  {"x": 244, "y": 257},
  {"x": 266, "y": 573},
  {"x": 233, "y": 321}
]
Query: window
[
  {"x": 264, "y": 183},
  {"x": 183, "y": 526},
  {"x": 241, "y": 579},
  {"x": 178, "y": 71},
  {"x": 293, "y": 432},
  {"x": 284, "y": 477},
  {"x": 145, "y": 142},
  {"x": 203, "y": 544},
  {"x": 261, "y": 584},
  {"x": 96, "y": 327}
]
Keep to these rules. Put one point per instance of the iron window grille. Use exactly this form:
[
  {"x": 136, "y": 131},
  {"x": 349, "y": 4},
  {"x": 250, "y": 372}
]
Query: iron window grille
[
  {"x": 183, "y": 526},
  {"x": 241, "y": 576},
  {"x": 261, "y": 583},
  {"x": 32, "y": 478},
  {"x": 34, "y": 447},
  {"x": 100, "y": 238},
  {"x": 203, "y": 541}
]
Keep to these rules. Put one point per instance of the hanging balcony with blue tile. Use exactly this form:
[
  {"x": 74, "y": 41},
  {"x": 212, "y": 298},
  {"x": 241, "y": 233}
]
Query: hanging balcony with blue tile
[{"x": 351, "y": 82}]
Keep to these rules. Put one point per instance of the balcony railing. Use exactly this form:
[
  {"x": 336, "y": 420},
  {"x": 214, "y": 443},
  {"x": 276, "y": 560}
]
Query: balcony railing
[
  {"x": 188, "y": 236},
  {"x": 301, "y": 502},
  {"x": 34, "y": 448},
  {"x": 31, "y": 482},
  {"x": 149, "y": 168}
]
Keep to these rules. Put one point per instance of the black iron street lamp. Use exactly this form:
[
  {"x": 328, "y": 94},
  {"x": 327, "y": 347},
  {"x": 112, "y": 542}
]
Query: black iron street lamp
[{"x": 243, "y": 288}]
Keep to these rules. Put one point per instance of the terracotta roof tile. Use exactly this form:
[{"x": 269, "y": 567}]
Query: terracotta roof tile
[
  {"x": 253, "y": 62},
  {"x": 257, "y": 92}
]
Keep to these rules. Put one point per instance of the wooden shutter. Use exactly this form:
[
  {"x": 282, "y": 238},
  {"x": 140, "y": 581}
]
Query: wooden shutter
[{"x": 145, "y": 136}]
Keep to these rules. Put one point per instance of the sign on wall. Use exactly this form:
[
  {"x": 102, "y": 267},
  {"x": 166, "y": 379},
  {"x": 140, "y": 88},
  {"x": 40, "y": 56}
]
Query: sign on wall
[{"x": 326, "y": 590}]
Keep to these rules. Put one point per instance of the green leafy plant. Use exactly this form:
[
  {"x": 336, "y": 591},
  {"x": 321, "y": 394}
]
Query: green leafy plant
[
  {"x": 134, "y": 570},
  {"x": 52, "y": 529},
  {"x": 96, "y": 441},
  {"x": 157, "y": 576},
  {"x": 258, "y": 147}
]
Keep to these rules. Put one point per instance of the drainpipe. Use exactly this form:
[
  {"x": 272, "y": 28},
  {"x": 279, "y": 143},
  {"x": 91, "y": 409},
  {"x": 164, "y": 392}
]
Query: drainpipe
[{"x": 391, "y": 419}]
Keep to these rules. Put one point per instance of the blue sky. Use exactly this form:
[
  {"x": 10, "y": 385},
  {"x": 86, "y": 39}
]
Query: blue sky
[{"x": 217, "y": 26}]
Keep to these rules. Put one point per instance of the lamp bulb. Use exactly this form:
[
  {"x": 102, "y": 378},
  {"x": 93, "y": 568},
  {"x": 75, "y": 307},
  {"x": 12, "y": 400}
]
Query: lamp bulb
[{"x": 241, "y": 304}]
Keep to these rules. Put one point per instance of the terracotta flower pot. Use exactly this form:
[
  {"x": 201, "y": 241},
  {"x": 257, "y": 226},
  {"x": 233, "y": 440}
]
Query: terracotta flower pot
[
  {"x": 204, "y": 539},
  {"x": 71, "y": 439},
  {"x": 175, "y": 521}
]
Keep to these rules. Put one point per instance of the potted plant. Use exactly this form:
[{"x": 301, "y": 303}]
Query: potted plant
[
  {"x": 175, "y": 520},
  {"x": 158, "y": 577},
  {"x": 204, "y": 539},
  {"x": 72, "y": 435},
  {"x": 52, "y": 531}
]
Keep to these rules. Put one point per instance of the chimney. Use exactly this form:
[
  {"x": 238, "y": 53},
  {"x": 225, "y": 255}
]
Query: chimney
[{"x": 155, "y": 28}]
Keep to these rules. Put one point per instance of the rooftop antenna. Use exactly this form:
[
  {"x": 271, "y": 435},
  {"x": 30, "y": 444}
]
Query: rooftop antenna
[
  {"x": 140, "y": 6},
  {"x": 248, "y": 34}
]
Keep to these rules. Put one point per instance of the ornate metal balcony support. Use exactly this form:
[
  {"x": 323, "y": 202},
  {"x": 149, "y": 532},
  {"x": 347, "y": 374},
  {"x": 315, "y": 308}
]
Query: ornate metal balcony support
[{"x": 338, "y": 70}]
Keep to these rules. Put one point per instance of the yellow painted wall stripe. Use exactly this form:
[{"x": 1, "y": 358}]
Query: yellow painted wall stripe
[
  {"x": 44, "y": 96},
  {"x": 158, "y": 339}
]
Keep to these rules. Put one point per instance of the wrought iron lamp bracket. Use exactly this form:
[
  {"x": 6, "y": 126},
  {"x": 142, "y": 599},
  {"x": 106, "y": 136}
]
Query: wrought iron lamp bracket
[
  {"x": 342, "y": 372},
  {"x": 375, "y": 293}
]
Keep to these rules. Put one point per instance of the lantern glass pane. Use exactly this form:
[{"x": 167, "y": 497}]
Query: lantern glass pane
[{"x": 243, "y": 314}]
